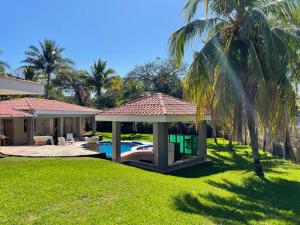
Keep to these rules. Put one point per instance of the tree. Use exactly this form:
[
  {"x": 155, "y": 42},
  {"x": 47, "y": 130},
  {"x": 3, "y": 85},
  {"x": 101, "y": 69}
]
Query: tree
[
  {"x": 204, "y": 95},
  {"x": 249, "y": 51},
  {"x": 29, "y": 73},
  {"x": 3, "y": 65},
  {"x": 133, "y": 89},
  {"x": 74, "y": 82},
  {"x": 160, "y": 76},
  {"x": 47, "y": 59},
  {"x": 100, "y": 78}
]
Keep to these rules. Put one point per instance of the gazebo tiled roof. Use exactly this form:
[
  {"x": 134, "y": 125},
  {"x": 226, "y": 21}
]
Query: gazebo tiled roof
[
  {"x": 156, "y": 104},
  {"x": 155, "y": 108}
]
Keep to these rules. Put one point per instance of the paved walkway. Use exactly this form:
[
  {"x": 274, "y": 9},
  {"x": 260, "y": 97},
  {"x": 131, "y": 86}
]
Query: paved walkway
[{"x": 76, "y": 149}]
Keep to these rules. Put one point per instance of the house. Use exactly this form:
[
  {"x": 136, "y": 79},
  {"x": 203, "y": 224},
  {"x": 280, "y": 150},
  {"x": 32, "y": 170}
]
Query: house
[
  {"x": 14, "y": 86},
  {"x": 21, "y": 119}
]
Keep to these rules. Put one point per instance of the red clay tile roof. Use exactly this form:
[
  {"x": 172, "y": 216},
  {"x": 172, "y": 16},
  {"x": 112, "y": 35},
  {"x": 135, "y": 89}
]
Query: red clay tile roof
[
  {"x": 9, "y": 112},
  {"x": 156, "y": 104},
  {"x": 30, "y": 104}
]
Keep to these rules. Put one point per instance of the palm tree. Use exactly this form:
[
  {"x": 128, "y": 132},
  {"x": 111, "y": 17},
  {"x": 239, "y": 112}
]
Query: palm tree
[
  {"x": 29, "y": 73},
  {"x": 133, "y": 89},
  {"x": 100, "y": 78},
  {"x": 46, "y": 59},
  {"x": 3, "y": 65},
  {"x": 248, "y": 51}
]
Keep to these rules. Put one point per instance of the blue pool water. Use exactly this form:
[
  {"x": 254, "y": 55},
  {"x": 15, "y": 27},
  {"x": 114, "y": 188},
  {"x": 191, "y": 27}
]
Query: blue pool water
[{"x": 106, "y": 147}]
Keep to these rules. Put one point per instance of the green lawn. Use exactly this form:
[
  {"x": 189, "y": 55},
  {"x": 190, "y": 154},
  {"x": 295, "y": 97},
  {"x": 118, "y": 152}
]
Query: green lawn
[
  {"x": 128, "y": 137},
  {"x": 96, "y": 191}
]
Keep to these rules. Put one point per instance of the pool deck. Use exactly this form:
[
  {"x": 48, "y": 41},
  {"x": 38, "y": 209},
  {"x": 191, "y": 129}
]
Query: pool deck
[{"x": 71, "y": 150}]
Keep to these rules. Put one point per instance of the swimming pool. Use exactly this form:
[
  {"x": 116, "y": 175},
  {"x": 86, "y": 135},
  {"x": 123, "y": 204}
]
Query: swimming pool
[{"x": 106, "y": 147}]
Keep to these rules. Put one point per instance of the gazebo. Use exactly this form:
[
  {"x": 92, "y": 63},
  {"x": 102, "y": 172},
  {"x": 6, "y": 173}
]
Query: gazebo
[{"x": 161, "y": 110}]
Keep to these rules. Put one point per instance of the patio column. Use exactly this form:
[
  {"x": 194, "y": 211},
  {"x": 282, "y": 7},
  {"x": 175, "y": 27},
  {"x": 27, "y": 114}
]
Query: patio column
[
  {"x": 78, "y": 126},
  {"x": 30, "y": 131},
  {"x": 60, "y": 127},
  {"x": 160, "y": 144},
  {"x": 94, "y": 124},
  {"x": 116, "y": 141},
  {"x": 202, "y": 133}
]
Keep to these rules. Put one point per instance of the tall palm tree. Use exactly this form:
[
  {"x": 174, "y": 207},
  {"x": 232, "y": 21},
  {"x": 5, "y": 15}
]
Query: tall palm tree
[
  {"x": 100, "y": 78},
  {"x": 3, "y": 65},
  {"x": 46, "y": 59},
  {"x": 250, "y": 53}
]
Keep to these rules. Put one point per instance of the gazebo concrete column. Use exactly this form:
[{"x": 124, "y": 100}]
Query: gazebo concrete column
[
  {"x": 202, "y": 133},
  {"x": 160, "y": 144},
  {"x": 94, "y": 124},
  {"x": 116, "y": 141},
  {"x": 30, "y": 130}
]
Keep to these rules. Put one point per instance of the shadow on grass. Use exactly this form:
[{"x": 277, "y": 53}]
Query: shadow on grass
[
  {"x": 226, "y": 160},
  {"x": 254, "y": 200}
]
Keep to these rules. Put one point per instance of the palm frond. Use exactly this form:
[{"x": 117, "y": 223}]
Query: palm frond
[
  {"x": 186, "y": 34},
  {"x": 190, "y": 8}
]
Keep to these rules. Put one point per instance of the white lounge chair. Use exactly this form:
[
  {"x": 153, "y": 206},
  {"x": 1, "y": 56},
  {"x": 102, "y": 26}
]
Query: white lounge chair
[
  {"x": 61, "y": 141},
  {"x": 70, "y": 139}
]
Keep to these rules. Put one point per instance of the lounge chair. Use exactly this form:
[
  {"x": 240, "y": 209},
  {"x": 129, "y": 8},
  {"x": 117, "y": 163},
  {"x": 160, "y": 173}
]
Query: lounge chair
[
  {"x": 61, "y": 141},
  {"x": 4, "y": 139},
  {"x": 70, "y": 139}
]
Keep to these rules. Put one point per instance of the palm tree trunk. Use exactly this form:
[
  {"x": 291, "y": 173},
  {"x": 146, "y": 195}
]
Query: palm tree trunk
[
  {"x": 265, "y": 140},
  {"x": 239, "y": 123},
  {"x": 245, "y": 133},
  {"x": 47, "y": 86},
  {"x": 289, "y": 154},
  {"x": 99, "y": 97},
  {"x": 254, "y": 138}
]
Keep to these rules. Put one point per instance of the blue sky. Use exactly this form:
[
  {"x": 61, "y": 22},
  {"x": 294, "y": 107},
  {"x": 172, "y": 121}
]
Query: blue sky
[{"x": 123, "y": 32}]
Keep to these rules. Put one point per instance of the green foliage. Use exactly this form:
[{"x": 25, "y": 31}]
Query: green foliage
[
  {"x": 252, "y": 57},
  {"x": 47, "y": 59},
  {"x": 3, "y": 65},
  {"x": 96, "y": 191},
  {"x": 101, "y": 78},
  {"x": 133, "y": 89},
  {"x": 159, "y": 76},
  {"x": 75, "y": 84},
  {"x": 29, "y": 73}
]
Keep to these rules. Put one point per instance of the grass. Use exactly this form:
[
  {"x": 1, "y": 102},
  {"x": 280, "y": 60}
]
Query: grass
[
  {"x": 128, "y": 137},
  {"x": 96, "y": 191}
]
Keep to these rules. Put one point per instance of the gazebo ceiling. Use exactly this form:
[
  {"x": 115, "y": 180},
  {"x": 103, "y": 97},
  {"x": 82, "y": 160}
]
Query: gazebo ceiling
[{"x": 155, "y": 108}]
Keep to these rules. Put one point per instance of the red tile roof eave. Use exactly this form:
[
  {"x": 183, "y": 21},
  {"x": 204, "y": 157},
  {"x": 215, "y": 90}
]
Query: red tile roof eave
[
  {"x": 35, "y": 104},
  {"x": 154, "y": 115}
]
